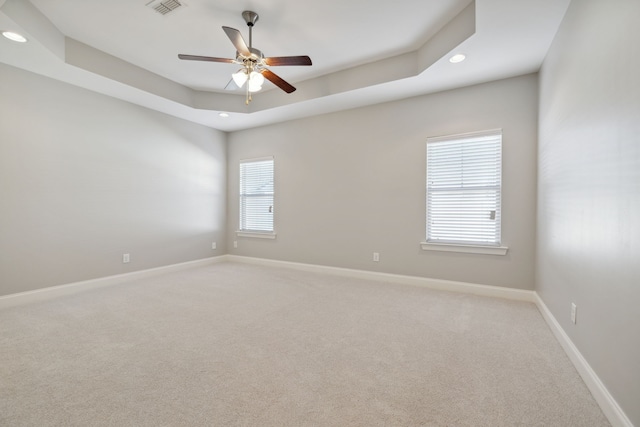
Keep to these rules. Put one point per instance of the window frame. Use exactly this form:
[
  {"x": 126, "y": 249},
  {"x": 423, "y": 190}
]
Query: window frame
[
  {"x": 264, "y": 234},
  {"x": 496, "y": 248}
]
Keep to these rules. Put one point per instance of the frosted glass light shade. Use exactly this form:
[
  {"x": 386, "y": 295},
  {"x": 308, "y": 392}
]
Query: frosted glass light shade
[
  {"x": 255, "y": 81},
  {"x": 240, "y": 77}
]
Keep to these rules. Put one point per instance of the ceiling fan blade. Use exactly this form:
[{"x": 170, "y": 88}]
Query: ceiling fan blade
[
  {"x": 231, "y": 85},
  {"x": 205, "y": 58},
  {"x": 276, "y": 80},
  {"x": 287, "y": 60},
  {"x": 237, "y": 40}
]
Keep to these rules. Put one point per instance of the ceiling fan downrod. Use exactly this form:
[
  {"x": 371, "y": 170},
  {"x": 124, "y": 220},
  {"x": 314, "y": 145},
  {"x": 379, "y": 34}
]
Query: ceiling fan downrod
[{"x": 250, "y": 18}]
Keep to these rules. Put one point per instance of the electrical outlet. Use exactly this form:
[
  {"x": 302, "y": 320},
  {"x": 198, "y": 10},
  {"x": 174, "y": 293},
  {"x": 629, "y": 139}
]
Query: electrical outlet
[
  {"x": 235, "y": 243},
  {"x": 376, "y": 257},
  {"x": 574, "y": 310},
  {"x": 126, "y": 258},
  {"x": 213, "y": 245}
]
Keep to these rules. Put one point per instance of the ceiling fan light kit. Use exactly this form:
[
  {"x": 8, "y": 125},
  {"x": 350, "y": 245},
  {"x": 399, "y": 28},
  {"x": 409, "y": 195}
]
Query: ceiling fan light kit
[
  {"x": 255, "y": 79},
  {"x": 254, "y": 64}
]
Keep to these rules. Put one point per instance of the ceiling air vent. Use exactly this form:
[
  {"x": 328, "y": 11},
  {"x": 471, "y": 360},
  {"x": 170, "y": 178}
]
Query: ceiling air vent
[{"x": 164, "y": 7}]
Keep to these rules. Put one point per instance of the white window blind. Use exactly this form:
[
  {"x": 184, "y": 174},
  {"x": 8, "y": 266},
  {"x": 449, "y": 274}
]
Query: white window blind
[
  {"x": 256, "y": 195},
  {"x": 464, "y": 188}
]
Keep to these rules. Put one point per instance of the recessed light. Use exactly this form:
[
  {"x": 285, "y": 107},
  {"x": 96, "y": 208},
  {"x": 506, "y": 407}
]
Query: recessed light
[
  {"x": 14, "y": 36},
  {"x": 224, "y": 115},
  {"x": 457, "y": 58}
]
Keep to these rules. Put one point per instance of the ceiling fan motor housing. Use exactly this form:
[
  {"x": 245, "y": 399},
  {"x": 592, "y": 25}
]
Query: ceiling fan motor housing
[{"x": 256, "y": 54}]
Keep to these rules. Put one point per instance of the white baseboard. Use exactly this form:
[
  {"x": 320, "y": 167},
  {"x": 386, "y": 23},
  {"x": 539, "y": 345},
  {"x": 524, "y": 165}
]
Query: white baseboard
[
  {"x": 437, "y": 284},
  {"x": 608, "y": 404},
  {"x": 12, "y": 300}
]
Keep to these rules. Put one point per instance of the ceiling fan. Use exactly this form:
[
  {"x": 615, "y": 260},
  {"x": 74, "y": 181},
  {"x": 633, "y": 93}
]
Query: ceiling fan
[{"x": 254, "y": 64}]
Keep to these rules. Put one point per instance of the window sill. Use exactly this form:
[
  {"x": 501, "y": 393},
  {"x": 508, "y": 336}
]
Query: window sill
[
  {"x": 469, "y": 249},
  {"x": 257, "y": 234}
]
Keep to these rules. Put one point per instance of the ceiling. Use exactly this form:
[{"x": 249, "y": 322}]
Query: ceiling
[{"x": 362, "y": 53}]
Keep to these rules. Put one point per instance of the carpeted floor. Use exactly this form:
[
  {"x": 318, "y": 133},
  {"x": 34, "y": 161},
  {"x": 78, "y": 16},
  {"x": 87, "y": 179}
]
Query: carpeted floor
[{"x": 241, "y": 345}]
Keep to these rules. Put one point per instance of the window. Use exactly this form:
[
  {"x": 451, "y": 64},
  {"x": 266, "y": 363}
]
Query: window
[
  {"x": 464, "y": 193},
  {"x": 256, "y": 197}
]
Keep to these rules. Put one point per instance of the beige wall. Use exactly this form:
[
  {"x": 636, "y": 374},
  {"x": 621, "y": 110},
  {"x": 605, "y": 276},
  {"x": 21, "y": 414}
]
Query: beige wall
[
  {"x": 85, "y": 178},
  {"x": 352, "y": 183},
  {"x": 589, "y": 189}
]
